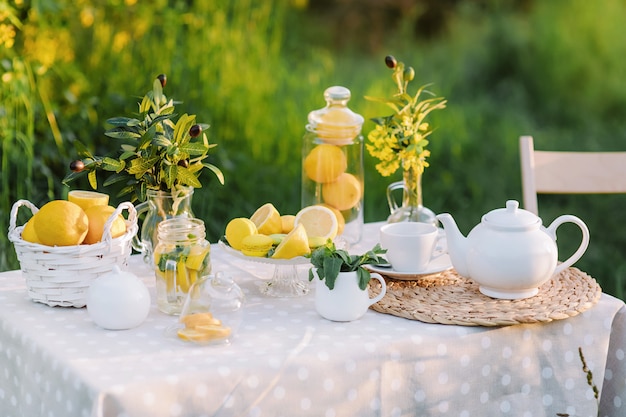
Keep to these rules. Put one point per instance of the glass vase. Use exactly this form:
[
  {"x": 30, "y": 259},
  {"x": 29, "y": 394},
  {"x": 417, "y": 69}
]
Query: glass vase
[
  {"x": 159, "y": 206},
  {"x": 412, "y": 208}
]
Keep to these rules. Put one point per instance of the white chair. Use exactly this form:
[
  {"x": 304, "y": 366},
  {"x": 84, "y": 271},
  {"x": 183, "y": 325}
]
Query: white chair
[{"x": 552, "y": 172}]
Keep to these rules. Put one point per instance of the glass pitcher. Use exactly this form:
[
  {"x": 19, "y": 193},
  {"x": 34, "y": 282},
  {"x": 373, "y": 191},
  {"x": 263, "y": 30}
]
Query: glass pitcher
[{"x": 159, "y": 206}]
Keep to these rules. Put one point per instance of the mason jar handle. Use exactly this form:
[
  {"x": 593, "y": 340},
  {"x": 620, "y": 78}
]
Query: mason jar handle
[
  {"x": 583, "y": 243},
  {"x": 136, "y": 241},
  {"x": 393, "y": 206},
  {"x": 170, "y": 280}
]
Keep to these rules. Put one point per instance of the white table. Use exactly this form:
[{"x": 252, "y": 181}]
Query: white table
[{"x": 287, "y": 361}]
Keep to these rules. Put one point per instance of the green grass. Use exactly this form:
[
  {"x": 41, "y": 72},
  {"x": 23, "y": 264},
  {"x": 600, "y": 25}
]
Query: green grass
[{"x": 254, "y": 70}]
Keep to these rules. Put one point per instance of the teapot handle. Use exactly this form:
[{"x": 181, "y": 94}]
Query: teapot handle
[{"x": 583, "y": 244}]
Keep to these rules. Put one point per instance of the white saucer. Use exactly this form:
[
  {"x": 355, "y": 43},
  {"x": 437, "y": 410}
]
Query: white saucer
[{"x": 440, "y": 264}]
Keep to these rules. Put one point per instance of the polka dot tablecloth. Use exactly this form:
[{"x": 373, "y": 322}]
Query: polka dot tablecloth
[{"x": 285, "y": 360}]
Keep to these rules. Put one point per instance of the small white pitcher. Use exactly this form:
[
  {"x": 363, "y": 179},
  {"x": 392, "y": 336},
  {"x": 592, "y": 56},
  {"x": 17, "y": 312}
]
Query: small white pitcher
[{"x": 346, "y": 301}]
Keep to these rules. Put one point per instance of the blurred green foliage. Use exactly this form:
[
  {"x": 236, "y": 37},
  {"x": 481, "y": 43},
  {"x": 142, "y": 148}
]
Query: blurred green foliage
[{"x": 254, "y": 70}]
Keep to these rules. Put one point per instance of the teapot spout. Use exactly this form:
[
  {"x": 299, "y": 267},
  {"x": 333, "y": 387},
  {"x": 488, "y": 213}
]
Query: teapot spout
[{"x": 457, "y": 244}]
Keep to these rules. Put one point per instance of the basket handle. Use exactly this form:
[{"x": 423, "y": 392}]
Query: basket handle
[
  {"x": 132, "y": 218},
  {"x": 16, "y": 206}
]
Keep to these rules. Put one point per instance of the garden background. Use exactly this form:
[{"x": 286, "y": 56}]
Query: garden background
[{"x": 254, "y": 70}]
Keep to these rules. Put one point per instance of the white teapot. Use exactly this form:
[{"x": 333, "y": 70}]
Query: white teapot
[{"x": 509, "y": 254}]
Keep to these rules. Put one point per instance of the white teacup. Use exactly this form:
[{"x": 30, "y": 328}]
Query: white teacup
[
  {"x": 410, "y": 245},
  {"x": 346, "y": 301}
]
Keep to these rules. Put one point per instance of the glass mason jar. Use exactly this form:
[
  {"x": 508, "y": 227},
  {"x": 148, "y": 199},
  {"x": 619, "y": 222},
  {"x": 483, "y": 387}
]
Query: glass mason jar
[
  {"x": 181, "y": 257},
  {"x": 332, "y": 162}
]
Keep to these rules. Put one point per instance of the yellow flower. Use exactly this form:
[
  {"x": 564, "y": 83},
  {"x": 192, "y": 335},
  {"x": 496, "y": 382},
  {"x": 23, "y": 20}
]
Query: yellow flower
[
  {"x": 400, "y": 139},
  {"x": 7, "y": 35}
]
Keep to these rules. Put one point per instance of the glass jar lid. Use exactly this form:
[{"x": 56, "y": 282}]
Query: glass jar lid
[
  {"x": 335, "y": 123},
  {"x": 181, "y": 229}
]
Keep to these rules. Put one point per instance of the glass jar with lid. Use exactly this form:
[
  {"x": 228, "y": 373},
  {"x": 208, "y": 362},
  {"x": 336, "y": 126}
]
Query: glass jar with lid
[
  {"x": 181, "y": 257},
  {"x": 332, "y": 162}
]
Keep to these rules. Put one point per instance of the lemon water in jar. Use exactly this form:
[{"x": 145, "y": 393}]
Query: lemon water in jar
[
  {"x": 181, "y": 257},
  {"x": 332, "y": 162}
]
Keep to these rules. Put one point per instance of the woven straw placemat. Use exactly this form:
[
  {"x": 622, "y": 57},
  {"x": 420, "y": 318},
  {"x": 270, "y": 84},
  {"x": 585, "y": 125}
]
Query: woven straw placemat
[{"x": 449, "y": 298}]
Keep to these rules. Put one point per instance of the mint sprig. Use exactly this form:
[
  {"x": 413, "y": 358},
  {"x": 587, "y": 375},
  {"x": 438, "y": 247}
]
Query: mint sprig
[{"x": 330, "y": 261}]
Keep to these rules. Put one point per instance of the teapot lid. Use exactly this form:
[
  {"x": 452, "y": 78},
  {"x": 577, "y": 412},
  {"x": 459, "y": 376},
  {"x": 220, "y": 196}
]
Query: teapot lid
[{"x": 512, "y": 217}]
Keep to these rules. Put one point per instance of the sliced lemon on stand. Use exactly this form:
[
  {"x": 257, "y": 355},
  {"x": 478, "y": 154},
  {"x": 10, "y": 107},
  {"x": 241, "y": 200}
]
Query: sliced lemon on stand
[
  {"x": 296, "y": 243},
  {"x": 318, "y": 221},
  {"x": 287, "y": 221},
  {"x": 267, "y": 220}
]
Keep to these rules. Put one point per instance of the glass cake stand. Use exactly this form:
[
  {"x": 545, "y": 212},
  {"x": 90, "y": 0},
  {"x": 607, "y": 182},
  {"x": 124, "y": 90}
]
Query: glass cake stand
[{"x": 285, "y": 281}]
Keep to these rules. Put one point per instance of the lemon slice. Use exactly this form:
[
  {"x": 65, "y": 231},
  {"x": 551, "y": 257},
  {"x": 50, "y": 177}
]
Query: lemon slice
[
  {"x": 318, "y": 221},
  {"x": 267, "y": 220},
  {"x": 341, "y": 221},
  {"x": 86, "y": 199},
  {"x": 198, "y": 334},
  {"x": 199, "y": 319},
  {"x": 296, "y": 243},
  {"x": 197, "y": 254},
  {"x": 237, "y": 229}
]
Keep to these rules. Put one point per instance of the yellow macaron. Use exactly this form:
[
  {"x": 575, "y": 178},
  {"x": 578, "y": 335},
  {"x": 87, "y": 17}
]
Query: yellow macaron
[{"x": 256, "y": 245}]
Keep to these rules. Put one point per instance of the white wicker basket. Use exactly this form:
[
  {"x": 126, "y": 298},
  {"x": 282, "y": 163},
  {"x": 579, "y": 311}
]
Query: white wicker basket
[{"x": 61, "y": 275}]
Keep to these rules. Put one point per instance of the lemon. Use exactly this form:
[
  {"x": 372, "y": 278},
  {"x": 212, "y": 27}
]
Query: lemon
[
  {"x": 267, "y": 220},
  {"x": 287, "y": 221},
  {"x": 325, "y": 163},
  {"x": 318, "y": 221},
  {"x": 341, "y": 221},
  {"x": 86, "y": 199},
  {"x": 344, "y": 193},
  {"x": 98, "y": 216},
  {"x": 61, "y": 223},
  {"x": 28, "y": 232},
  {"x": 296, "y": 243},
  {"x": 237, "y": 229}
]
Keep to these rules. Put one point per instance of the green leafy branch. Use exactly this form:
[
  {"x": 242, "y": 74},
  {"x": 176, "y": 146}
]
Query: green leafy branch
[
  {"x": 329, "y": 261},
  {"x": 156, "y": 152}
]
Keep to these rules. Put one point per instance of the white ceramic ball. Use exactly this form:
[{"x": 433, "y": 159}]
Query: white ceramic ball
[{"x": 118, "y": 300}]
